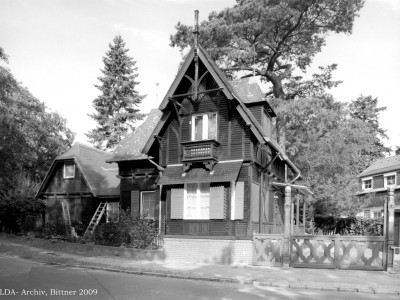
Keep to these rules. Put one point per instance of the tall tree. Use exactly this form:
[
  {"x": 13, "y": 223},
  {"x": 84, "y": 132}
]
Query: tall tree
[
  {"x": 116, "y": 107},
  {"x": 31, "y": 137},
  {"x": 270, "y": 37},
  {"x": 330, "y": 147}
]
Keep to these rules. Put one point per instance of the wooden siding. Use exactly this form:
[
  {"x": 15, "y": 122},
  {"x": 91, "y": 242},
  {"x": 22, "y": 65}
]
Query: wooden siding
[
  {"x": 58, "y": 184},
  {"x": 256, "y": 110}
]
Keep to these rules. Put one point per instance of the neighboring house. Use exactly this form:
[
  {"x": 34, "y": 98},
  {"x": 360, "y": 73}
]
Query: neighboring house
[
  {"x": 205, "y": 165},
  {"x": 374, "y": 182},
  {"x": 82, "y": 179}
]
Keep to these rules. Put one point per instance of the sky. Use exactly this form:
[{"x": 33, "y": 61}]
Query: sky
[{"x": 55, "y": 49}]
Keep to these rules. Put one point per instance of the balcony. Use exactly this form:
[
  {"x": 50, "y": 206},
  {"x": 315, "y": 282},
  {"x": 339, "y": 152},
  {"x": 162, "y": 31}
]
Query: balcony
[{"x": 205, "y": 151}]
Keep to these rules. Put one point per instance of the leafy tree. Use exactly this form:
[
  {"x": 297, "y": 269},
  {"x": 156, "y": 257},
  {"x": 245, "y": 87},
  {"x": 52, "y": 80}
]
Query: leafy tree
[
  {"x": 30, "y": 136},
  {"x": 30, "y": 139},
  {"x": 397, "y": 151},
  {"x": 116, "y": 107},
  {"x": 331, "y": 147},
  {"x": 270, "y": 37}
]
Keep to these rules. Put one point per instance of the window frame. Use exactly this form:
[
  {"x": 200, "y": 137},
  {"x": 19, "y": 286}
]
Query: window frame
[
  {"x": 197, "y": 215},
  {"x": 364, "y": 180},
  {"x": 386, "y": 176},
  {"x": 141, "y": 205},
  {"x": 204, "y": 126},
  {"x": 64, "y": 168}
]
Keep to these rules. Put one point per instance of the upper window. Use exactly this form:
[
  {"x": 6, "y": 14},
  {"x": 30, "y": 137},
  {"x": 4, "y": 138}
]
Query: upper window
[
  {"x": 69, "y": 170},
  {"x": 367, "y": 184},
  {"x": 390, "y": 179},
  {"x": 148, "y": 205},
  {"x": 204, "y": 127}
]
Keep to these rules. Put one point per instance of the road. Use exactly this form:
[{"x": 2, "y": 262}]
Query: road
[{"x": 24, "y": 279}]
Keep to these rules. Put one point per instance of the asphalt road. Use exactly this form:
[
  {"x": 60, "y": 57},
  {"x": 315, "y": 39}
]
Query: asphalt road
[{"x": 24, "y": 279}]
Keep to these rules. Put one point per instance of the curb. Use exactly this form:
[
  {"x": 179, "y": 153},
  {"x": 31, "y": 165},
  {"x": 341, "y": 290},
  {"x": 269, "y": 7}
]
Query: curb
[{"x": 49, "y": 259}]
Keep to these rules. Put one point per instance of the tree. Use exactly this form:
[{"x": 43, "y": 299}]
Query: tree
[
  {"x": 31, "y": 137},
  {"x": 116, "y": 107},
  {"x": 330, "y": 146},
  {"x": 397, "y": 151},
  {"x": 270, "y": 37}
]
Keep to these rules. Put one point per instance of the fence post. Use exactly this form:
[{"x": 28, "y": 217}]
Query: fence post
[
  {"x": 390, "y": 229},
  {"x": 286, "y": 234}
]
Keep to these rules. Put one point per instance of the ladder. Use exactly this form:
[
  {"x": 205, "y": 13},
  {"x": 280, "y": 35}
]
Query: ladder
[
  {"x": 95, "y": 219},
  {"x": 66, "y": 216}
]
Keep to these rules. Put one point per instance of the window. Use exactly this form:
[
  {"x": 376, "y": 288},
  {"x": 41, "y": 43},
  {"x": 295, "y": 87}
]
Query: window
[
  {"x": 367, "y": 184},
  {"x": 390, "y": 179},
  {"x": 196, "y": 201},
  {"x": 367, "y": 214},
  {"x": 69, "y": 170},
  {"x": 204, "y": 127},
  {"x": 148, "y": 205},
  {"x": 377, "y": 214},
  {"x": 112, "y": 211}
]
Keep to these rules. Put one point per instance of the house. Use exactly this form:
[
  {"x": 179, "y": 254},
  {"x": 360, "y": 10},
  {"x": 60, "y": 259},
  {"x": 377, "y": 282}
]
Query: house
[
  {"x": 81, "y": 179},
  {"x": 205, "y": 165},
  {"x": 373, "y": 183}
]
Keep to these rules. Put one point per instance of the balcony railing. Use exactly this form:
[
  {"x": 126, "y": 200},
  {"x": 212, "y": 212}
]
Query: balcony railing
[{"x": 200, "y": 150}]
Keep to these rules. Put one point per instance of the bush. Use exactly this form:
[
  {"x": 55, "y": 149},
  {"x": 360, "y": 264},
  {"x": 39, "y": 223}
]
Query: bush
[
  {"x": 19, "y": 209},
  {"x": 349, "y": 226},
  {"x": 125, "y": 230}
]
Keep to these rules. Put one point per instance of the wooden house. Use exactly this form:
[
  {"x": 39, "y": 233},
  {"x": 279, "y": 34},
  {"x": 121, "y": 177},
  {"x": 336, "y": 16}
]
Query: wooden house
[
  {"x": 80, "y": 180},
  {"x": 208, "y": 163}
]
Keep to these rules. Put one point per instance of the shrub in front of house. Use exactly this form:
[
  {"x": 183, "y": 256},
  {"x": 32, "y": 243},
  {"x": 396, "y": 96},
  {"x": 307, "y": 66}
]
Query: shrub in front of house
[
  {"x": 348, "y": 226},
  {"x": 125, "y": 230}
]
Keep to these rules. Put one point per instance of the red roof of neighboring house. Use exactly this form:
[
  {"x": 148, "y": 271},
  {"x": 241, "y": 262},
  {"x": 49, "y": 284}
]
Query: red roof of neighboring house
[
  {"x": 130, "y": 148},
  {"x": 383, "y": 165}
]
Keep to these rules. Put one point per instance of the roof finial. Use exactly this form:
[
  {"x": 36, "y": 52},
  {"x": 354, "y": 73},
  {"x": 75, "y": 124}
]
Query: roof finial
[{"x": 196, "y": 28}]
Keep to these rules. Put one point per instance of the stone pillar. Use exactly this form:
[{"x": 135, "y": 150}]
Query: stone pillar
[
  {"x": 390, "y": 229},
  {"x": 287, "y": 223}
]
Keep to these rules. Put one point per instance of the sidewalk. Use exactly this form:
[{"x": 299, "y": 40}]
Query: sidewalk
[{"x": 317, "y": 279}]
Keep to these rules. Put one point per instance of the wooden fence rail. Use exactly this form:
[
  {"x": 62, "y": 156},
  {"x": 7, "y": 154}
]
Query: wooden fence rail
[{"x": 338, "y": 252}]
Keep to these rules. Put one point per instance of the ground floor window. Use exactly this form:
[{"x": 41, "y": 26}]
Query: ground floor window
[
  {"x": 197, "y": 201},
  {"x": 112, "y": 210},
  {"x": 148, "y": 205}
]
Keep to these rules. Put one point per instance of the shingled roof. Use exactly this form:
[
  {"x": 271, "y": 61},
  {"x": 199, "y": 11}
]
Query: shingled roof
[
  {"x": 130, "y": 148},
  {"x": 383, "y": 165},
  {"x": 100, "y": 176}
]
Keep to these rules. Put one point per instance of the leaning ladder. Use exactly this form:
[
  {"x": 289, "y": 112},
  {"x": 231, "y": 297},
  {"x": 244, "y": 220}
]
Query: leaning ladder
[
  {"x": 66, "y": 216},
  {"x": 96, "y": 218}
]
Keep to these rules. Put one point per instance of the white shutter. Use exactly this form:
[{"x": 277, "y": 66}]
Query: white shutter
[
  {"x": 217, "y": 202},
  {"x": 177, "y": 197},
  {"x": 239, "y": 201}
]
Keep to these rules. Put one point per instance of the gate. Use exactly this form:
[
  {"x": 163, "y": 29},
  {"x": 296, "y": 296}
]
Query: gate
[{"x": 338, "y": 252}]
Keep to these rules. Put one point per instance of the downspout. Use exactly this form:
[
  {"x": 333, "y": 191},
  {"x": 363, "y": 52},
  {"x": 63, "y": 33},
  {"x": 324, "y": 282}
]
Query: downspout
[{"x": 261, "y": 191}]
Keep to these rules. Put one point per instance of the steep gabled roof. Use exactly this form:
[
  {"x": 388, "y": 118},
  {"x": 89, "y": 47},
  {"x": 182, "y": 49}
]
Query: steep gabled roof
[
  {"x": 241, "y": 94},
  {"x": 383, "y": 165},
  {"x": 100, "y": 177},
  {"x": 132, "y": 146}
]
